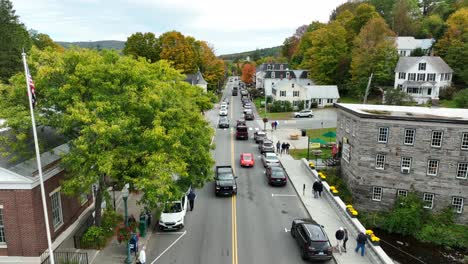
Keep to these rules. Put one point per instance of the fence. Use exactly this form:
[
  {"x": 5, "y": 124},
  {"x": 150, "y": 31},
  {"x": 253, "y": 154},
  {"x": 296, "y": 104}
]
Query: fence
[{"x": 66, "y": 258}]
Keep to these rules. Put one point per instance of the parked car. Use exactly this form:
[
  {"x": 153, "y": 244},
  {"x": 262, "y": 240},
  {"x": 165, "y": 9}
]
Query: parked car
[
  {"x": 304, "y": 113},
  {"x": 249, "y": 115},
  {"x": 276, "y": 175},
  {"x": 223, "y": 112},
  {"x": 312, "y": 240},
  {"x": 259, "y": 136},
  {"x": 223, "y": 122},
  {"x": 173, "y": 215},
  {"x": 266, "y": 146},
  {"x": 245, "y": 100},
  {"x": 224, "y": 104},
  {"x": 248, "y": 105},
  {"x": 269, "y": 158},
  {"x": 244, "y": 92},
  {"x": 247, "y": 160}
]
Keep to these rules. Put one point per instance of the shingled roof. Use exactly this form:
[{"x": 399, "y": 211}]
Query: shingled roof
[{"x": 405, "y": 63}]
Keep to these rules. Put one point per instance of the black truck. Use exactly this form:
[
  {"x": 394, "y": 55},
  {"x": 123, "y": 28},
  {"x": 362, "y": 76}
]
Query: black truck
[{"x": 225, "y": 181}]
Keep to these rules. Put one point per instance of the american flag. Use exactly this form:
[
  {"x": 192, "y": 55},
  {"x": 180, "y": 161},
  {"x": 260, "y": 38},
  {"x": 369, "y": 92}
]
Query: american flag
[{"x": 31, "y": 86}]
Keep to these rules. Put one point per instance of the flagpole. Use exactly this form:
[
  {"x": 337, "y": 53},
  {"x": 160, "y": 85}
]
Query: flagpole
[{"x": 38, "y": 159}]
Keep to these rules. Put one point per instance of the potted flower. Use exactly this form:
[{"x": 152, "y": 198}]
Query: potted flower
[
  {"x": 351, "y": 211},
  {"x": 322, "y": 175},
  {"x": 333, "y": 190},
  {"x": 375, "y": 240},
  {"x": 311, "y": 165}
]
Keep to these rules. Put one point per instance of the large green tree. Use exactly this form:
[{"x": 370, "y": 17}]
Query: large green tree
[
  {"x": 143, "y": 45},
  {"x": 374, "y": 52},
  {"x": 43, "y": 41},
  {"x": 13, "y": 39},
  {"x": 126, "y": 120}
]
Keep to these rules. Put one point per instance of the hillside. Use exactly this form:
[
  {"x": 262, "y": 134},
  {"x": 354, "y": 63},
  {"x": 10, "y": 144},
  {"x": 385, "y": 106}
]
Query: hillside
[
  {"x": 254, "y": 54},
  {"x": 101, "y": 44}
]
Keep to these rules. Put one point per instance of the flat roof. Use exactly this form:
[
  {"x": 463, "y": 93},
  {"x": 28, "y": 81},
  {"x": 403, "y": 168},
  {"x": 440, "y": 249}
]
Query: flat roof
[{"x": 427, "y": 114}]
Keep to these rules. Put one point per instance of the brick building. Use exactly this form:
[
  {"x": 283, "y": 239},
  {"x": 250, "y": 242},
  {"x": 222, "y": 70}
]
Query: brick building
[
  {"x": 387, "y": 151},
  {"x": 22, "y": 228}
]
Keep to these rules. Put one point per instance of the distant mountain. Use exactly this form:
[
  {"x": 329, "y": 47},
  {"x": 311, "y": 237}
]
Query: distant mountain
[
  {"x": 101, "y": 44},
  {"x": 260, "y": 53}
]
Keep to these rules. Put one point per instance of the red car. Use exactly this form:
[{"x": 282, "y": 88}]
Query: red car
[{"x": 247, "y": 160}]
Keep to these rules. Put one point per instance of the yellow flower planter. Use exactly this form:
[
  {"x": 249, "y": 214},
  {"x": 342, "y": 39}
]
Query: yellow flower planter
[{"x": 369, "y": 232}]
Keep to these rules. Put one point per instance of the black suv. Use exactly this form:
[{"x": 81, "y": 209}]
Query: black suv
[{"x": 312, "y": 239}]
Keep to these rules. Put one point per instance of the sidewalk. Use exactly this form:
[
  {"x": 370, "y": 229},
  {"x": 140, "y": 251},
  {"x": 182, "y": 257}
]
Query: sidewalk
[{"x": 320, "y": 209}]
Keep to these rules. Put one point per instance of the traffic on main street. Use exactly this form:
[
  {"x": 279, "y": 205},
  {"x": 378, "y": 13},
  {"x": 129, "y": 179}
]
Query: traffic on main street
[{"x": 250, "y": 227}]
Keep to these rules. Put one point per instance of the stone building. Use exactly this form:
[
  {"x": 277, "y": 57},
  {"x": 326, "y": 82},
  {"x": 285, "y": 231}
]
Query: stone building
[{"x": 387, "y": 151}]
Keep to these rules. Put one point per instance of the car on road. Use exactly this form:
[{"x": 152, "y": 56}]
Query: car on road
[
  {"x": 247, "y": 160},
  {"x": 244, "y": 92},
  {"x": 173, "y": 215},
  {"x": 259, "y": 136},
  {"x": 312, "y": 240},
  {"x": 276, "y": 175},
  {"x": 234, "y": 91},
  {"x": 266, "y": 146},
  {"x": 223, "y": 122},
  {"x": 248, "y": 106},
  {"x": 241, "y": 122},
  {"x": 224, "y": 105},
  {"x": 242, "y": 132},
  {"x": 269, "y": 158},
  {"x": 223, "y": 112},
  {"x": 225, "y": 181},
  {"x": 304, "y": 113},
  {"x": 245, "y": 100},
  {"x": 249, "y": 115}
]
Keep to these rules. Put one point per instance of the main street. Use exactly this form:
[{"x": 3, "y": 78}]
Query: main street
[{"x": 252, "y": 227}]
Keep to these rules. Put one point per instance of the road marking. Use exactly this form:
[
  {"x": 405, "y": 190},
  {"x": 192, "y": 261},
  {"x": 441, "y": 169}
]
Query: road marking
[
  {"x": 283, "y": 195},
  {"x": 233, "y": 209},
  {"x": 169, "y": 233},
  {"x": 171, "y": 245},
  {"x": 250, "y": 128},
  {"x": 286, "y": 230}
]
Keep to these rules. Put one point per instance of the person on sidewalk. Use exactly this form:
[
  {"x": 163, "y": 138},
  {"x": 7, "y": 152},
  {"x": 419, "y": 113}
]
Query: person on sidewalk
[
  {"x": 142, "y": 256},
  {"x": 345, "y": 239},
  {"x": 320, "y": 188},
  {"x": 339, "y": 235},
  {"x": 278, "y": 147},
  {"x": 191, "y": 197},
  {"x": 276, "y": 124},
  {"x": 315, "y": 188},
  {"x": 361, "y": 243},
  {"x": 283, "y": 148},
  {"x": 272, "y": 125},
  {"x": 287, "y": 147}
]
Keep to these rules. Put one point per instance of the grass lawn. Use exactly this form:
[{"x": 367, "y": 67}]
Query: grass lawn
[
  {"x": 317, "y": 133},
  {"x": 447, "y": 103},
  {"x": 302, "y": 153},
  {"x": 270, "y": 116}
]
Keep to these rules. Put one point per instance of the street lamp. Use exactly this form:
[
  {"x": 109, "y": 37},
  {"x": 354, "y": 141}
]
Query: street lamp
[{"x": 125, "y": 193}]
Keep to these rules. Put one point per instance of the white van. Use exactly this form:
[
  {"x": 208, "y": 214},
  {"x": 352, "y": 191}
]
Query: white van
[{"x": 173, "y": 215}]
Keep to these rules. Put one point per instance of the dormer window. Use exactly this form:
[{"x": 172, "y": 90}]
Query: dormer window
[
  {"x": 422, "y": 66},
  {"x": 272, "y": 75},
  {"x": 287, "y": 75},
  {"x": 292, "y": 85},
  {"x": 281, "y": 66}
]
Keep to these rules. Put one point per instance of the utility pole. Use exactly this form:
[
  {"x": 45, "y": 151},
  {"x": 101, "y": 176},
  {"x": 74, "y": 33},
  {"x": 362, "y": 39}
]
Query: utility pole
[{"x": 367, "y": 89}]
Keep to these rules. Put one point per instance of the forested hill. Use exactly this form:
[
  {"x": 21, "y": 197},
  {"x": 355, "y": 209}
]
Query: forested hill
[
  {"x": 254, "y": 54},
  {"x": 101, "y": 44}
]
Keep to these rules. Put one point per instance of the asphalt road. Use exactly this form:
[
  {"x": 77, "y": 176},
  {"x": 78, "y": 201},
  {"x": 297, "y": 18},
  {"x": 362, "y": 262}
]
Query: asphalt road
[{"x": 252, "y": 227}]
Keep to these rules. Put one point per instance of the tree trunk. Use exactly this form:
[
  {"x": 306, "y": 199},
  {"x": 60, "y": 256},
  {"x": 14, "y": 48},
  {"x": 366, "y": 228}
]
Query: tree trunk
[{"x": 98, "y": 202}]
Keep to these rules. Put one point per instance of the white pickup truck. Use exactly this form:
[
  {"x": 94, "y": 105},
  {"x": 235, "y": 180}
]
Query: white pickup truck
[{"x": 173, "y": 215}]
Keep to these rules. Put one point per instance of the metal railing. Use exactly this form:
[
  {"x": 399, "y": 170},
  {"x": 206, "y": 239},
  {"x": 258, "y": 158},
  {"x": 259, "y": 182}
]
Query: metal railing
[{"x": 66, "y": 258}]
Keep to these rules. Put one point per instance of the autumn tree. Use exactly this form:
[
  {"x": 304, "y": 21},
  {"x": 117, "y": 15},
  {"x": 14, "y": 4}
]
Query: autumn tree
[
  {"x": 405, "y": 13},
  {"x": 143, "y": 45},
  {"x": 126, "y": 120},
  {"x": 304, "y": 44},
  {"x": 176, "y": 49},
  {"x": 43, "y": 41},
  {"x": 13, "y": 39},
  {"x": 453, "y": 47},
  {"x": 328, "y": 57},
  {"x": 431, "y": 27},
  {"x": 212, "y": 68},
  {"x": 373, "y": 52},
  {"x": 364, "y": 13},
  {"x": 248, "y": 73}
]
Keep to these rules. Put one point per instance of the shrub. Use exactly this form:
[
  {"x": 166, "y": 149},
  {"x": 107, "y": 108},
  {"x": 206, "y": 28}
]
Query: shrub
[
  {"x": 461, "y": 98},
  {"x": 447, "y": 93},
  {"x": 94, "y": 238},
  {"x": 407, "y": 217},
  {"x": 110, "y": 219},
  {"x": 281, "y": 106},
  {"x": 334, "y": 179}
]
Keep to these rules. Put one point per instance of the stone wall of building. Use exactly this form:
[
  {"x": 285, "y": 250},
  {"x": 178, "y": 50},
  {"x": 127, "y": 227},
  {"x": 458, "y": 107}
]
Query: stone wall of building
[{"x": 361, "y": 174}]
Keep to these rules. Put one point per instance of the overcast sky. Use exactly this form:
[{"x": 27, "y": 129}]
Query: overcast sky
[{"x": 230, "y": 26}]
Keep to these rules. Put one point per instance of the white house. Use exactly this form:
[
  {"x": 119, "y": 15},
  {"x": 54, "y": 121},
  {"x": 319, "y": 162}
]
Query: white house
[
  {"x": 405, "y": 45},
  {"x": 197, "y": 79},
  {"x": 268, "y": 75},
  {"x": 294, "y": 92},
  {"x": 422, "y": 77}
]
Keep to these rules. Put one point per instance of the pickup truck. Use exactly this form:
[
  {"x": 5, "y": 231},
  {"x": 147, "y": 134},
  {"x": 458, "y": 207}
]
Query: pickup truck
[{"x": 225, "y": 181}]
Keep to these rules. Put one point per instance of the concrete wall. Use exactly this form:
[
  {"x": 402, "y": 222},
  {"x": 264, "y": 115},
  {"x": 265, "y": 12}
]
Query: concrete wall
[{"x": 361, "y": 174}]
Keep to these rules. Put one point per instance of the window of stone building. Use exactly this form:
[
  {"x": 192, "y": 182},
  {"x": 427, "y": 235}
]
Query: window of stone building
[
  {"x": 383, "y": 135},
  {"x": 457, "y": 203},
  {"x": 402, "y": 193},
  {"x": 406, "y": 165},
  {"x": 428, "y": 199},
  {"x": 437, "y": 139},
  {"x": 2, "y": 227},
  {"x": 347, "y": 125},
  {"x": 377, "y": 193},
  {"x": 464, "y": 144},
  {"x": 353, "y": 128},
  {"x": 409, "y": 137},
  {"x": 380, "y": 161},
  {"x": 432, "y": 167},
  {"x": 57, "y": 217},
  {"x": 462, "y": 170}
]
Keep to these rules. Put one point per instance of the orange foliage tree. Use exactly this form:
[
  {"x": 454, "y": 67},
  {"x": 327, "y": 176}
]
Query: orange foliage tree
[{"x": 248, "y": 72}]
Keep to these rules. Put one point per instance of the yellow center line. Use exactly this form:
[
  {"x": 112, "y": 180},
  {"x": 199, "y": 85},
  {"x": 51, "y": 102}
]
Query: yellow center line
[{"x": 233, "y": 199}]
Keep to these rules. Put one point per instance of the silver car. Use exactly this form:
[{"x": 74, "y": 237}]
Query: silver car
[{"x": 269, "y": 158}]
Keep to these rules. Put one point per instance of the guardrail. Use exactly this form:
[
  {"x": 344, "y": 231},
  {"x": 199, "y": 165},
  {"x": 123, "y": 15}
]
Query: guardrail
[
  {"x": 378, "y": 254},
  {"x": 66, "y": 257}
]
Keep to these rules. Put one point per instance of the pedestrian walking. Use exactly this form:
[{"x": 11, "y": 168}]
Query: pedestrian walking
[
  {"x": 142, "y": 256},
  {"x": 345, "y": 239},
  {"x": 191, "y": 197},
  {"x": 287, "y": 147},
  {"x": 361, "y": 243},
  {"x": 272, "y": 125},
  {"x": 278, "y": 147},
  {"x": 303, "y": 189},
  {"x": 283, "y": 147},
  {"x": 320, "y": 188},
  {"x": 339, "y": 235},
  {"x": 276, "y": 124},
  {"x": 315, "y": 189}
]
